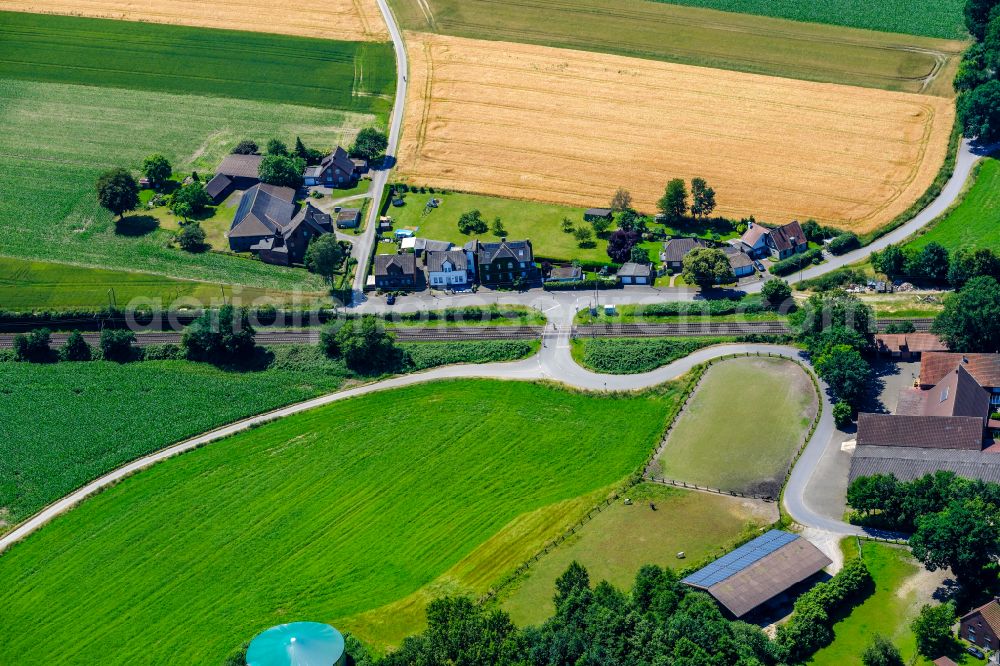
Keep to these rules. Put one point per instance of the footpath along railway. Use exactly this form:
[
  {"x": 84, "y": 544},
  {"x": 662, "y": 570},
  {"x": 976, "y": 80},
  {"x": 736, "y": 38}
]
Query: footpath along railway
[{"x": 471, "y": 332}]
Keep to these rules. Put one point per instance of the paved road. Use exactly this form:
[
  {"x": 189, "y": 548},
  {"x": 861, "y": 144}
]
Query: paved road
[{"x": 362, "y": 249}]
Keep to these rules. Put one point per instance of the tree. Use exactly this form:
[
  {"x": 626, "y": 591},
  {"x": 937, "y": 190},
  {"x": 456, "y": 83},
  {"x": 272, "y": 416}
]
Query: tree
[
  {"x": 600, "y": 225},
  {"x": 281, "y": 170},
  {"x": 33, "y": 347},
  {"x": 842, "y": 414},
  {"x": 498, "y": 229},
  {"x": 117, "y": 191},
  {"x": 967, "y": 264},
  {"x": 931, "y": 263},
  {"x": 278, "y": 147},
  {"x": 977, "y": 16},
  {"x": 573, "y": 580},
  {"x": 75, "y": 348},
  {"x": 566, "y": 225},
  {"x": 881, "y": 652},
  {"x": 472, "y": 222},
  {"x": 116, "y": 345},
  {"x": 890, "y": 261},
  {"x": 622, "y": 200},
  {"x": 369, "y": 144},
  {"x": 707, "y": 267},
  {"x": 157, "y": 169},
  {"x": 932, "y": 629},
  {"x": 970, "y": 321},
  {"x": 364, "y": 344},
  {"x": 191, "y": 237},
  {"x": 639, "y": 255},
  {"x": 584, "y": 237},
  {"x": 831, "y": 309},
  {"x": 223, "y": 335},
  {"x": 620, "y": 244},
  {"x": 630, "y": 220},
  {"x": 846, "y": 372},
  {"x": 975, "y": 68},
  {"x": 702, "y": 198},
  {"x": 965, "y": 538},
  {"x": 192, "y": 195},
  {"x": 325, "y": 255},
  {"x": 979, "y": 111},
  {"x": 245, "y": 147},
  {"x": 300, "y": 150},
  {"x": 776, "y": 292},
  {"x": 673, "y": 203}
]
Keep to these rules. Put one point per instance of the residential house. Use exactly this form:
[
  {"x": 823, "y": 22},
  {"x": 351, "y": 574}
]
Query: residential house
[
  {"x": 500, "y": 264},
  {"x": 941, "y": 426},
  {"x": 908, "y": 346},
  {"x": 395, "y": 272},
  {"x": 633, "y": 273},
  {"x": 565, "y": 274},
  {"x": 447, "y": 269},
  {"x": 984, "y": 368},
  {"x": 675, "y": 249},
  {"x": 982, "y": 626},
  {"x": 267, "y": 224},
  {"x": 592, "y": 214},
  {"x": 754, "y": 241},
  {"x": 237, "y": 172},
  {"x": 739, "y": 261},
  {"x": 788, "y": 239},
  {"x": 335, "y": 170},
  {"x": 348, "y": 218}
]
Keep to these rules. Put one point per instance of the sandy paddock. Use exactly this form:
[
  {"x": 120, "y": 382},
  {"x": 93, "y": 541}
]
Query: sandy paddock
[
  {"x": 567, "y": 126},
  {"x": 350, "y": 20}
]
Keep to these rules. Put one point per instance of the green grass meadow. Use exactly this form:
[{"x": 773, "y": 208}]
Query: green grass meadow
[
  {"x": 619, "y": 540},
  {"x": 933, "y": 18},
  {"x": 742, "y": 427},
  {"x": 319, "y": 516},
  {"x": 975, "y": 221},
  {"x": 178, "y": 59},
  {"x": 696, "y": 35}
]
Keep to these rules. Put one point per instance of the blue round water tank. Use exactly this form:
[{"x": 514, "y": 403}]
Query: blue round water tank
[{"x": 297, "y": 644}]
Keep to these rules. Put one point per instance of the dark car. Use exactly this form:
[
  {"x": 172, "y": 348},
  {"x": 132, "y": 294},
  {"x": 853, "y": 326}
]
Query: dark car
[
  {"x": 390, "y": 299},
  {"x": 759, "y": 266},
  {"x": 975, "y": 652}
]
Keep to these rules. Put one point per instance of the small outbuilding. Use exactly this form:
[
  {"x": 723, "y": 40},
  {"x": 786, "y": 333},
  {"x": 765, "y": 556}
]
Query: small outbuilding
[
  {"x": 349, "y": 218},
  {"x": 758, "y": 571},
  {"x": 298, "y": 644},
  {"x": 633, "y": 273},
  {"x": 592, "y": 214}
]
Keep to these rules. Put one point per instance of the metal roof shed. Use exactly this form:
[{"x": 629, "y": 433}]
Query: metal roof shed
[
  {"x": 297, "y": 644},
  {"x": 759, "y": 571}
]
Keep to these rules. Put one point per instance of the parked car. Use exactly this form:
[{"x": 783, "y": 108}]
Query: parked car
[
  {"x": 390, "y": 299},
  {"x": 975, "y": 652},
  {"x": 759, "y": 266}
]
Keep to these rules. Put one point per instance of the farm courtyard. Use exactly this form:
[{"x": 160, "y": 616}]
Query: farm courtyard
[{"x": 545, "y": 124}]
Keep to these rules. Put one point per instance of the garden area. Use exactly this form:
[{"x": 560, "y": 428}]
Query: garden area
[{"x": 754, "y": 410}]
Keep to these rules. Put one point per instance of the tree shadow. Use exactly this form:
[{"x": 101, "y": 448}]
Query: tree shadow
[{"x": 136, "y": 225}]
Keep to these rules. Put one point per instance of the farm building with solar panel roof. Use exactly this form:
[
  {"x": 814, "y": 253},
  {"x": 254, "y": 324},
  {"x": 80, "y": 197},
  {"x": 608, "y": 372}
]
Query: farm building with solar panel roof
[{"x": 758, "y": 571}]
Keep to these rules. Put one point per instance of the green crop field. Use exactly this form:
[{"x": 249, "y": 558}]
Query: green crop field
[
  {"x": 628, "y": 356},
  {"x": 349, "y": 76},
  {"x": 621, "y": 539},
  {"x": 698, "y": 36},
  {"x": 538, "y": 222},
  {"x": 41, "y": 285},
  {"x": 321, "y": 515},
  {"x": 752, "y": 410},
  {"x": 57, "y": 138},
  {"x": 975, "y": 221},
  {"x": 901, "y": 588},
  {"x": 933, "y": 18}
]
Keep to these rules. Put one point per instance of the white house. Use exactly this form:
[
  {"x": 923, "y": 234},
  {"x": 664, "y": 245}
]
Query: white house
[{"x": 447, "y": 269}]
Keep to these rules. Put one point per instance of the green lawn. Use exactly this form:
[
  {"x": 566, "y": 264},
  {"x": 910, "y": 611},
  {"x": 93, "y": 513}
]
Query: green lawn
[
  {"x": 179, "y": 59},
  {"x": 937, "y": 18},
  {"x": 901, "y": 588},
  {"x": 694, "y": 35},
  {"x": 627, "y": 356},
  {"x": 57, "y": 138},
  {"x": 975, "y": 222},
  {"x": 321, "y": 515},
  {"x": 621, "y": 539},
  {"x": 538, "y": 222},
  {"x": 41, "y": 285},
  {"x": 742, "y": 427}
]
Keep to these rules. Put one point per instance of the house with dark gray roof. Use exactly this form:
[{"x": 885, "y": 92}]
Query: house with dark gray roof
[
  {"x": 758, "y": 571},
  {"x": 675, "y": 249},
  {"x": 237, "y": 172},
  {"x": 739, "y": 261},
  {"x": 592, "y": 214},
  {"x": 635, "y": 273},
  {"x": 395, "y": 272},
  {"x": 447, "y": 269},
  {"x": 268, "y": 225},
  {"x": 335, "y": 170},
  {"x": 501, "y": 264}
]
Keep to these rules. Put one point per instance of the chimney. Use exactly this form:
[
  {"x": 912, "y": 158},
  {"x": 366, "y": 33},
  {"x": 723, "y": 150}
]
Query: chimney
[
  {"x": 965, "y": 359},
  {"x": 503, "y": 239}
]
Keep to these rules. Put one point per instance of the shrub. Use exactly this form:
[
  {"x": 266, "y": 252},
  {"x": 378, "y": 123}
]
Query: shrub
[
  {"x": 843, "y": 243},
  {"x": 423, "y": 355},
  {"x": 776, "y": 292},
  {"x": 191, "y": 238},
  {"x": 223, "y": 335},
  {"x": 472, "y": 222},
  {"x": 75, "y": 348},
  {"x": 33, "y": 347},
  {"x": 245, "y": 147},
  {"x": 842, "y": 414},
  {"x": 796, "y": 261},
  {"x": 364, "y": 344},
  {"x": 164, "y": 352},
  {"x": 116, "y": 345},
  {"x": 580, "y": 285}
]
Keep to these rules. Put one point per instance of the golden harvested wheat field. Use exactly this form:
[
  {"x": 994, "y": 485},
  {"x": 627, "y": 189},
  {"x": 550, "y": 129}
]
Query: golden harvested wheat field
[
  {"x": 565, "y": 126},
  {"x": 350, "y": 20}
]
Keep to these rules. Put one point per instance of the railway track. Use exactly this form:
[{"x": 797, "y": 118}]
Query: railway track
[{"x": 452, "y": 334}]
